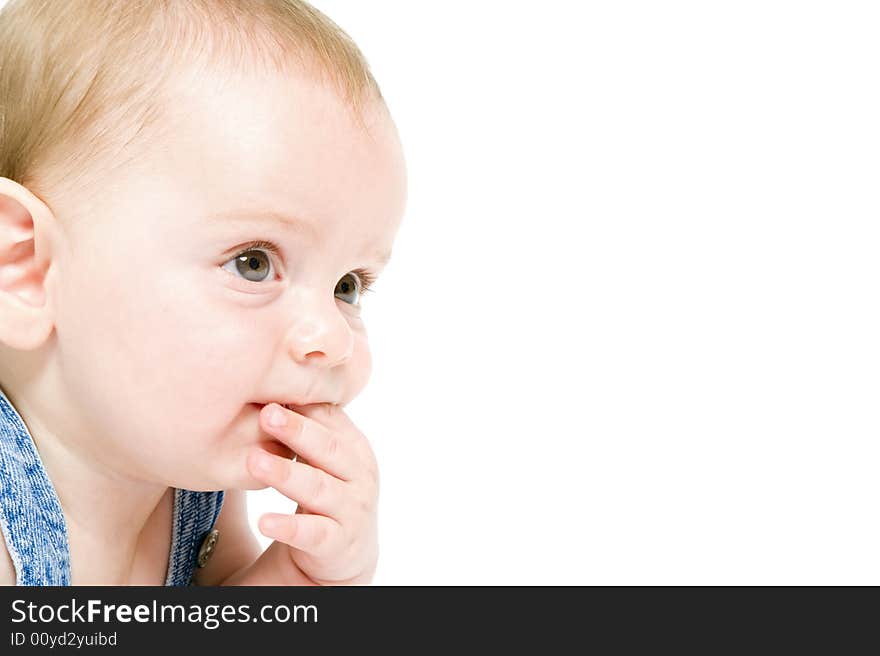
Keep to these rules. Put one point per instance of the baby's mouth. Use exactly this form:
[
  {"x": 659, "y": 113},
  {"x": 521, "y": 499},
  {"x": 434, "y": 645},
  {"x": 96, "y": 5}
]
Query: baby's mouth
[{"x": 260, "y": 406}]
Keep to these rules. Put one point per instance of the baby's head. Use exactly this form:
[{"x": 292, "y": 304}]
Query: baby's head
[{"x": 192, "y": 195}]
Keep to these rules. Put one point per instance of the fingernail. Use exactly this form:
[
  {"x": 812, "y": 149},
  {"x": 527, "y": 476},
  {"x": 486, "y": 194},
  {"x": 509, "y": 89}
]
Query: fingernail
[{"x": 277, "y": 418}]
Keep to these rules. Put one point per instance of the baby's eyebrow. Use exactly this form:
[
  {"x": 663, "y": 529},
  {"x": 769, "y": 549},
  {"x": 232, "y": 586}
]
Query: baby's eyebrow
[
  {"x": 382, "y": 257},
  {"x": 267, "y": 216},
  {"x": 285, "y": 221}
]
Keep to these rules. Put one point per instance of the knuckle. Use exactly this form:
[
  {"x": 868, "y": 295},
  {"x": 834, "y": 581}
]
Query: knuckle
[
  {"x": 332, "y": 447},
  {"x": 286, "y": 475},
  {"x": 318, "y": 486},
  {"x": 292, "y": 528}
]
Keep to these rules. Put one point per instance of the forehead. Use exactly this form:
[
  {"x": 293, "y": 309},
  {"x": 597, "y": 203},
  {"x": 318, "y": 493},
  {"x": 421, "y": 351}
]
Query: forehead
[{"x": 286, "y": 145}]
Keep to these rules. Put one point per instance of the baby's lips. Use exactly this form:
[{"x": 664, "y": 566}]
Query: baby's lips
[
  {"x": 260, "y": 406},
  {"x": 297, "y": 403}
]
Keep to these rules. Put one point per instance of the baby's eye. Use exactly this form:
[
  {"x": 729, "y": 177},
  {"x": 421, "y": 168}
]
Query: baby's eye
[
  {"x": 253, "y": 264},
  {"x": 348, "y": 286}
]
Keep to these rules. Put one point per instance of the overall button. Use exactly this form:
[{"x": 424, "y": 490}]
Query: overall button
[{"x": 207, "y": 547}]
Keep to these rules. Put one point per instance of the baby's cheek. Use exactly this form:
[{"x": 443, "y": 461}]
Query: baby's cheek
[{"x": 358, "y": 368}]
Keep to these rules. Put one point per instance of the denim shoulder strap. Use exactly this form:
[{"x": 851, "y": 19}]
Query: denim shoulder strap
[
  {"x": 31, "y": 517},
  {"x": 194, "y": 516}
]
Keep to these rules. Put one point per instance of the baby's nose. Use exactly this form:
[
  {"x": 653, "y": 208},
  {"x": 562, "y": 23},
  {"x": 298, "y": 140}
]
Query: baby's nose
[{"x": 325, "y": 340}]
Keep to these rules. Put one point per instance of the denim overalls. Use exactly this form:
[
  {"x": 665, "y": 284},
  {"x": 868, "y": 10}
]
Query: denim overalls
[{"x": 32, "y": 520}]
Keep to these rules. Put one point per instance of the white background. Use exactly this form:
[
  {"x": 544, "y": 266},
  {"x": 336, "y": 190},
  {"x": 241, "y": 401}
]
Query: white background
[
  {"x": 629, "y": 334},
  {"x": 630, "y": 331}
]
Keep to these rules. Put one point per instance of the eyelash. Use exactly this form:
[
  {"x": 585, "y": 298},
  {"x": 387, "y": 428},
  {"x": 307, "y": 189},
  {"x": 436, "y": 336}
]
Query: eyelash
[{"x": 367, "y": 278}]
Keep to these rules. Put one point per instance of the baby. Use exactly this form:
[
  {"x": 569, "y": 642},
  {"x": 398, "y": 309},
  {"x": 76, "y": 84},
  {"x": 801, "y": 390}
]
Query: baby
[{"x": 194, "y": 195}]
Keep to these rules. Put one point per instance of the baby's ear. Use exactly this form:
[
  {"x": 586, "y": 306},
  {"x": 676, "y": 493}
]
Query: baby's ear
[{"x": 25, "y": 222}]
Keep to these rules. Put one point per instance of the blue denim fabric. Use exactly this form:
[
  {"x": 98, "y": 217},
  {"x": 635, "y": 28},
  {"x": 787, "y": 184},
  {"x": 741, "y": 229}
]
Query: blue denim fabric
[
  {"x": 194, "y": 517},
  {"x": 32, "y": 520}
]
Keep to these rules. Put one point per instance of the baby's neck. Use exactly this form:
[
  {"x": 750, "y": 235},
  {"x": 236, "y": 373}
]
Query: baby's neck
[{"x": 105, "y": 510}]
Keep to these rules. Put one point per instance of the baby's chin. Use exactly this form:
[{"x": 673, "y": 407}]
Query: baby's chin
[
  {"x": 238, "y": 477},
  {"x": 232, "y": 474}
]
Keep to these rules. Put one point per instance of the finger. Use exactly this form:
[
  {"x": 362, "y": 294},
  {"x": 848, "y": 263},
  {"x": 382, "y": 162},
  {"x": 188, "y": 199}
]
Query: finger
[
  {"x": 322, "y": 447},
  {"x": 335, "y": 419},
  {"x": 328, "y": 414},
  {"x": 309, "y": 486},
  {"x": 315, "y": 534}
]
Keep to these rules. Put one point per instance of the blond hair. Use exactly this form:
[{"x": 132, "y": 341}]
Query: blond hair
[{"x": 80, "y": 79}]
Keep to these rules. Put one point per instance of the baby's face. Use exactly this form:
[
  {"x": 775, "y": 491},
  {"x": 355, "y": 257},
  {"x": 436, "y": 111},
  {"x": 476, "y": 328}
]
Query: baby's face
[{"x": 174, "y": 327}]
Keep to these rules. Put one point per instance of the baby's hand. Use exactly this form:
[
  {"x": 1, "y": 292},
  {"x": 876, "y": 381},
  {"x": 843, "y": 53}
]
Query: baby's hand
[{"x": 335, "y": 482}]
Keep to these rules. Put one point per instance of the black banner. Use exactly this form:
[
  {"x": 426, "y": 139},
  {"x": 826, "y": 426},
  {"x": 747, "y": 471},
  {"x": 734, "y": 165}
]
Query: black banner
[{"x": 128, "y": 620}]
